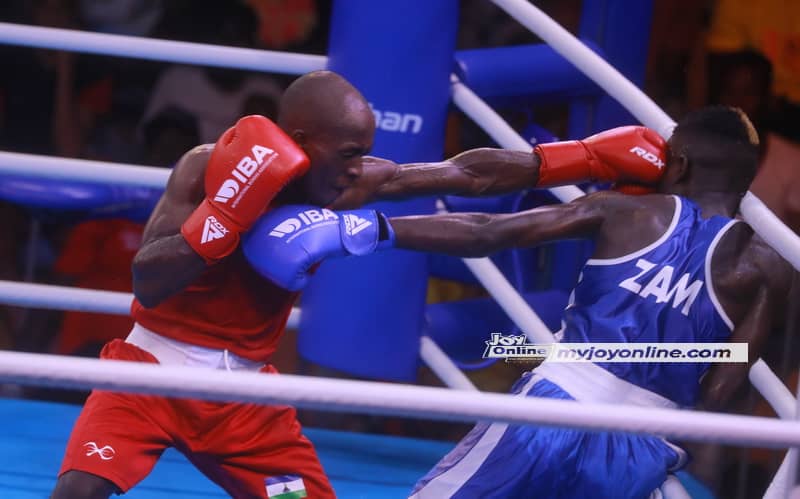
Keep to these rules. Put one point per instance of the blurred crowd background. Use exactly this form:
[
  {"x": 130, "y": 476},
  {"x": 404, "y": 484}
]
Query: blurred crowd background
[{"x": 744, "y": 53}]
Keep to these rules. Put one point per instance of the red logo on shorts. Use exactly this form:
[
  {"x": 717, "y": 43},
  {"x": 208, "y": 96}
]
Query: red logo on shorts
[{"x": 106, "y": 452}]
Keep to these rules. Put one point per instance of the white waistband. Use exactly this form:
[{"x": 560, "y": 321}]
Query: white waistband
[
  {"x": 174, "y": 352},
  {"x": 588, "y": 382}
]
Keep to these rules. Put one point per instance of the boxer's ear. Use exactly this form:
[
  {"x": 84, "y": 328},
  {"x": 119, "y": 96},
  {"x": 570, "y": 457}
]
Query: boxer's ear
[{"x": 682, "y": 168}]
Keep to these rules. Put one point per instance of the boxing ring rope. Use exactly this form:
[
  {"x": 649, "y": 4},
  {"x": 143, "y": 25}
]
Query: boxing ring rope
[
  {"x": 23, "y": 294},
  {"x": 82, "y": 170},
  {"x": 591, "y": 64},
  {"x": 160, "y": 50},
  {"x": 114, "y": 302},
  {"x": 780, "y": 237},
  {"x": 500, "y": 131},
  {"x": 372, "y": 397},
  {"x": 443, "y": 366}
]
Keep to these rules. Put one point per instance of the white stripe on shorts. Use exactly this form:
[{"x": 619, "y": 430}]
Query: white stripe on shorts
[{"x": 448, "y": 483}]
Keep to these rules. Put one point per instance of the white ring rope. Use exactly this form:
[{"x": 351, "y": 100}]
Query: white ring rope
[
  {"x": 22, "y": 294},
  {"x": 391, "y": 399},
  {"x": 114, "y": 302},
  {"x": 510, "y": 300},
  {"x": 771, "y": 229},
  {"x": 773, "y": 390},
  {"x": 160, "y": 50},
  {"x": 500, "y": 131},
  {"x": 780, "y": 398},
  {"x": 82, "y": 170},
  {"x": 591, "y": 64},
  {"x": 781, "y": 482},
  {"x": 443, "y": 366}
]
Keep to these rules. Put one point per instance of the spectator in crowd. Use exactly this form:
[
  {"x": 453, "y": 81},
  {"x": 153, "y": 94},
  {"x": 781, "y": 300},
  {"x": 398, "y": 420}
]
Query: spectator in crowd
[
  {"x": 771, "y": 27},
  {"x": 215, "y": 97}
]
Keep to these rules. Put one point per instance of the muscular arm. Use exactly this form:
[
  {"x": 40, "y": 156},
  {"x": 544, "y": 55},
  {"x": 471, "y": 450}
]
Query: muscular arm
[
  {"x": 761, "y": 280},
  {"x": 481, "y": 234},
  {"x": 478, "y": 172},
  {"x": 166, "y": 263}
]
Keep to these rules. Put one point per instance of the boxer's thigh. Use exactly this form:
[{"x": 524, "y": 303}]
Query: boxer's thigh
[
  {"x": 255, "y": 449},
  {"x": 117, "y": 437},
  {"x": 494, "y": 461}
]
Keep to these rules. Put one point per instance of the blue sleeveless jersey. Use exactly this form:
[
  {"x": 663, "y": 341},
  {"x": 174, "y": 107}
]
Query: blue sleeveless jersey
[{"x": 661, "y": 293}]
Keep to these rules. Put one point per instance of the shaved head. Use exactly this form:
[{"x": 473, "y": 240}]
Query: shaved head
[
  {"x": 322, "y": 101},
  {"x": 333, "y": 123}
]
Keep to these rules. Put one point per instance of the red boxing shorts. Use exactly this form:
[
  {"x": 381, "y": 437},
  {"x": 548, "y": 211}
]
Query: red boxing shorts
[{"x": 249, "y": 450}]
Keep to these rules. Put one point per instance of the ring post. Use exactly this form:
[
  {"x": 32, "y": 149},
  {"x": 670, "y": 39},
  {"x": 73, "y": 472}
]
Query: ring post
[{"x": 364, "y": 317}]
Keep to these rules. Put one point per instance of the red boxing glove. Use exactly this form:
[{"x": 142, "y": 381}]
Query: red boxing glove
[
  {"x": 628, "y": 154},
  {"x": 251, "y": 162}
]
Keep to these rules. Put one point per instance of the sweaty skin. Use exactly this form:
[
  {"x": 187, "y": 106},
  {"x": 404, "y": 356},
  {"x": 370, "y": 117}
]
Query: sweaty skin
[
  {"x": 750, "y": 278},
  {"x": 164, "y": 250},
  {"x": 478, "y": 172}
]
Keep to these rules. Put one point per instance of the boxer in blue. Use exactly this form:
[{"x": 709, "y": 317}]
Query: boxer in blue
[{"x": 668, "y": 267}]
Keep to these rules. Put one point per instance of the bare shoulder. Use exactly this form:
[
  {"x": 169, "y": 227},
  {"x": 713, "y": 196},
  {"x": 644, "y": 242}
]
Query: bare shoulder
[
  {"x": 187, "y": 178},
  {"x": 744, "y": 264},
  {"x": 630, "y": 223},
  {"x": 185, "y": 190},
  {"x": 776, "y": 270},
  {"x": 620, "y": 203},
  {"x": 628, "y": 211}
]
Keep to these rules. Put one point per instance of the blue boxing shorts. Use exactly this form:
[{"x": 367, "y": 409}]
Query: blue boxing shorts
[{"x": 504, "y": 461}]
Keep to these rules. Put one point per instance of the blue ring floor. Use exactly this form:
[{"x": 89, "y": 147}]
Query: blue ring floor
[{"x": 360, "y": 466}]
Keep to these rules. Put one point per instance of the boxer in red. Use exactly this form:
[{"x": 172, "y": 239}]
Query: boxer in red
[{"x": 199, "y": 302}]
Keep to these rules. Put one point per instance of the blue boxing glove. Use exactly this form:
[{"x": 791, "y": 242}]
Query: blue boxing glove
[{"x": 285, "y": 243}]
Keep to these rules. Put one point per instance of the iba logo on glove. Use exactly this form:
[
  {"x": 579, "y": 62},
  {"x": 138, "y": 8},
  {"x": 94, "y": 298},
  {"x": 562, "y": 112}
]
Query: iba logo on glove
[
  {"x": 244, "y": 171},
  {"x": 304, "y": 220},
  {"x": 312, "y": 219}
]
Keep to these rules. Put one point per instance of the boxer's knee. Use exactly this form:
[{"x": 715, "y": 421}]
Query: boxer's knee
[{"x": 81, "y": 485}]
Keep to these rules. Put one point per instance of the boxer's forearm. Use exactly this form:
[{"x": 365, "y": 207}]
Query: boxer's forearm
[
  {"x": 481, "y": 234},
  {"x": 163, "y": 267},
  {"x": 479, "y": 172},
  {"x": 461, "y": 234}
]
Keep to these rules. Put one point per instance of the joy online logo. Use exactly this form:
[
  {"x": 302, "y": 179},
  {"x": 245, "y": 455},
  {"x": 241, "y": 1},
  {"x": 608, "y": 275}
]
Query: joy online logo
[
  {"x": 391, "y": 121},
  {"x": 245, "y": 169},
  {"x": 305, "y": 218},
  {"x": 105, "y": 452}
]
